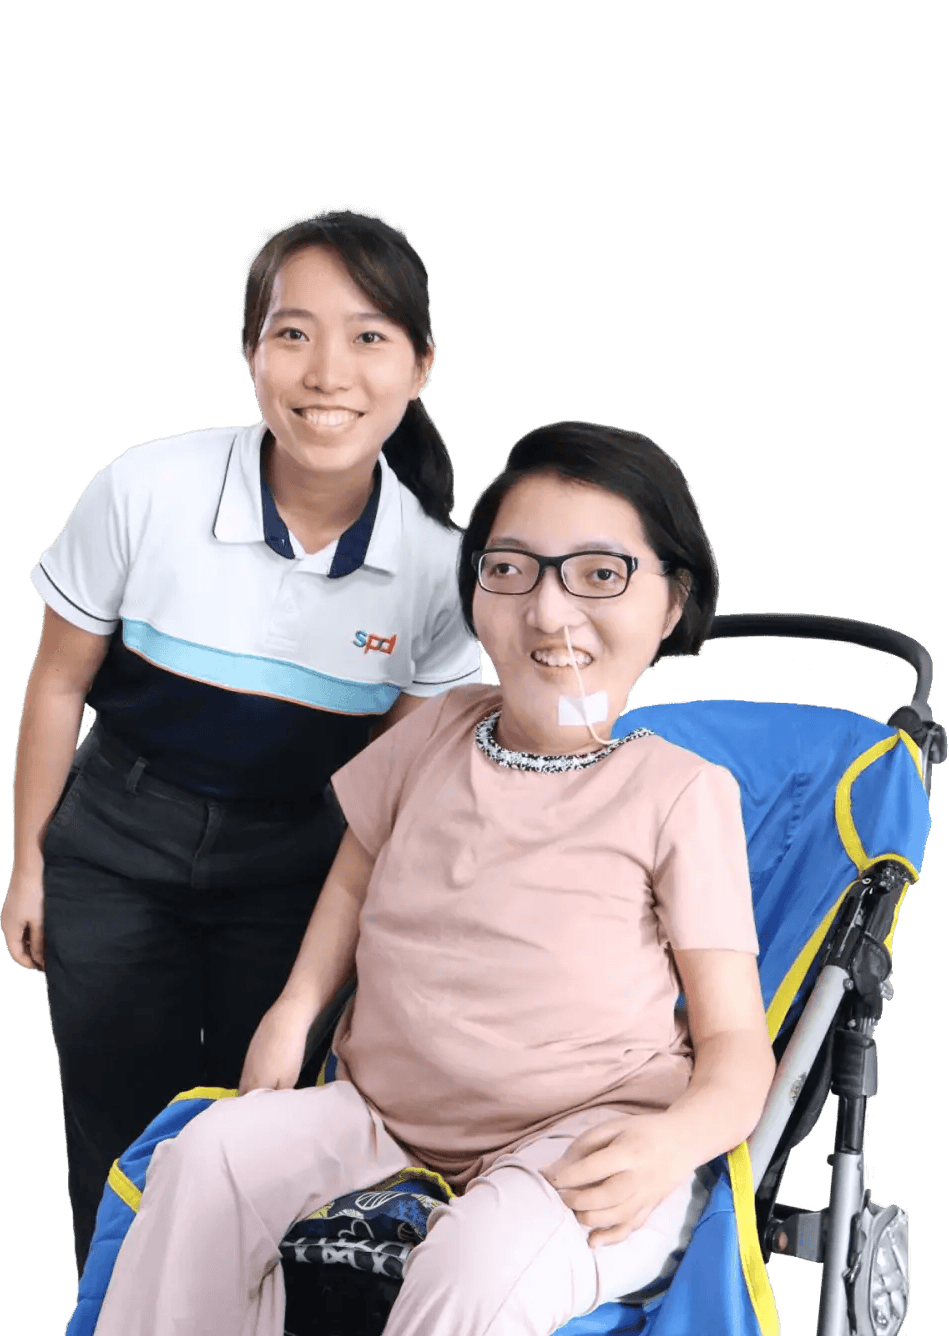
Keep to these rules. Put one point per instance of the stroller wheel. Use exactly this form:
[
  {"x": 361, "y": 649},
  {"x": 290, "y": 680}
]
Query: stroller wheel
[{"x": 878, "y": 1277}]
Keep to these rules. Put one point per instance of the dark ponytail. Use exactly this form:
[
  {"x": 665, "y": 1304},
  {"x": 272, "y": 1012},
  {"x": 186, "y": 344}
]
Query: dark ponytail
[
  {"x": 382, "y": 263},
  {"x": 417, "y": 456}
]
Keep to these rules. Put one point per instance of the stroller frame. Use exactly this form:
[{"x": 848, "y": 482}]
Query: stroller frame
[{"x": 831, "y": 1048}]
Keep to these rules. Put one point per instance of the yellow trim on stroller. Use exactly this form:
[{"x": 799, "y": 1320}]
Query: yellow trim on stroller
[
  {"x": 847, "y": 830},
  {"x": 888, "y": 939},
  {"x": 119, "y": 1181},
  {"x": 205, "y": 1092},
  {"x": 788, "y": 988},
  {"x": 123, "y": 1187},
  {"x": 843, "y": 808},
  {"x": 749, "y": 1249},
  {"x": 914, "y": 751}
]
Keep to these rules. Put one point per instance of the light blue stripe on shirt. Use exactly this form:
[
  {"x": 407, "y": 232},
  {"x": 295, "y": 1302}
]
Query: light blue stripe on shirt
[{"x": 255, "y": 674}]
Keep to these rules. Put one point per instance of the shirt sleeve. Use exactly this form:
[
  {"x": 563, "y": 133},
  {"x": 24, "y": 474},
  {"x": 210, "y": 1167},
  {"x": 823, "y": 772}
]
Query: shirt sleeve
[
  {"x": 445, "y": 653},
  {"x": 370, "y": 786},
  {"x": 83, "y": 575},
  {"x": 701, "y": 883}
]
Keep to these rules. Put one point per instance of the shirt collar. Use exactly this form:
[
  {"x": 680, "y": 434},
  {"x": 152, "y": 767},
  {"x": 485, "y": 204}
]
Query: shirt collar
[
  {"x": 247, "y": 513},
  {"x": 351, "y": 546}
]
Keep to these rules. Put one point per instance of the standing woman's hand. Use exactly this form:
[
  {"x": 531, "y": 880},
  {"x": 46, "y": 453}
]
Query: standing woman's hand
[
  {"x": 66, "y": 663},
  {"x": 22, "y": 920}
]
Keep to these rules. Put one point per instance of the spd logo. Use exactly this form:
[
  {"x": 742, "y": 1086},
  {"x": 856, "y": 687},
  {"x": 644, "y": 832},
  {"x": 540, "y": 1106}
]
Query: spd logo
[{"x": 367, "y": 640}]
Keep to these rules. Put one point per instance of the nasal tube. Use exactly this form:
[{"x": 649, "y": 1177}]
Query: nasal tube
[{"x": 583, "y": 709}]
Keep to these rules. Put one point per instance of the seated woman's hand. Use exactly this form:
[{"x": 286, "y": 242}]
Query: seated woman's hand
[
  {"x": 615, "y": 1175},
  {"x": 275, "y": 1055}
]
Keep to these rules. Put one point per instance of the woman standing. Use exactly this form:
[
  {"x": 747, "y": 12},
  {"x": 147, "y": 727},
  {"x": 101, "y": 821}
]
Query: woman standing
[{"x": 239, "y": 607}]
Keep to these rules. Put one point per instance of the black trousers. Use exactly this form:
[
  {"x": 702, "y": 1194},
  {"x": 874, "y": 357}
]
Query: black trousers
[{"x": 172, "y": 923}]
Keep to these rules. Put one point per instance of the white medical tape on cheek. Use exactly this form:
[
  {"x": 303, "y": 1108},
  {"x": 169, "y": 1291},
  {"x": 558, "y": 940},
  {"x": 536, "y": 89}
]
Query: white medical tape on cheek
[
  {"x": 576, "y": 711},
  {"x": 583, "y": 709}
]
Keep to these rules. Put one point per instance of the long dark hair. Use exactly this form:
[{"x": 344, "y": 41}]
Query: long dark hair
[
  {"x": 630, "y": 466},
  {"x": 382, "y": 263}
]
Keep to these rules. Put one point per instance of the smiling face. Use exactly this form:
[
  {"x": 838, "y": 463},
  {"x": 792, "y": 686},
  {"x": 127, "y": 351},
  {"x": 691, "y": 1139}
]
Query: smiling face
[
  {"x": 332, "y": 374},
  {"x": 614, "y": 639}
]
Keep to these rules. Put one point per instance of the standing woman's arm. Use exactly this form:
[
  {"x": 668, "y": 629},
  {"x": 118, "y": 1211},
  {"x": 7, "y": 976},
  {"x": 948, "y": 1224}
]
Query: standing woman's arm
[
  {"x": 402, "y": 708},
  {"x": 67, "y": 661}
]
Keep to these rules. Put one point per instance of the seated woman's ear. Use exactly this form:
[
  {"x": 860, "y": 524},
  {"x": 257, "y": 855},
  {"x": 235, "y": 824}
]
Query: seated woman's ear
[{"x": 679, "y": 590}]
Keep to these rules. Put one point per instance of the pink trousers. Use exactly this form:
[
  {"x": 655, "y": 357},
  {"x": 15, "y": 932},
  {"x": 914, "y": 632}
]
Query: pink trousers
[{"x": 507, "y": 1258}]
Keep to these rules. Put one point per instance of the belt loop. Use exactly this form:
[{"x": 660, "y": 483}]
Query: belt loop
[{"x": 135, "y": 774}]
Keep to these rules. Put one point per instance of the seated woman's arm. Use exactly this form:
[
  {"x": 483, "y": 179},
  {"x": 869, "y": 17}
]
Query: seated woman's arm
[
  {"x": 734, "y": 1063},
  {"x": 325, "y": 961},
  {"x": 616, "y": 1174}
]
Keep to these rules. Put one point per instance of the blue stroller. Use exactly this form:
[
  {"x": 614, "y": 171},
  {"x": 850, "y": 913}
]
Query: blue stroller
[{"x": 836, "y": 816}]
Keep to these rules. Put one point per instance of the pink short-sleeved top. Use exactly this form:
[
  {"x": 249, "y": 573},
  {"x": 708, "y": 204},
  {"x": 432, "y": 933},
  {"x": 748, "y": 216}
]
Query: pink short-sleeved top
[{"x": 514, "y": 958}]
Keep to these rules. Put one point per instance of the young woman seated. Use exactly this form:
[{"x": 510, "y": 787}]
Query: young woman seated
[{"x": 522, "y": 899}]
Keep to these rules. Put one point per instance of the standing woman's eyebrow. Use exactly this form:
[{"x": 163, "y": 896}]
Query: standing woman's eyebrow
[
  {"x": 297, "y": 313},
  {"x": 291, "y": 313},
  {"x": 371, "y": 315}
]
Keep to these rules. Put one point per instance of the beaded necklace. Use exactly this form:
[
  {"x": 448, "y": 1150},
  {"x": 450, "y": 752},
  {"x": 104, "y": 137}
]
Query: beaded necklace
[{"x": 545, "y": 765}]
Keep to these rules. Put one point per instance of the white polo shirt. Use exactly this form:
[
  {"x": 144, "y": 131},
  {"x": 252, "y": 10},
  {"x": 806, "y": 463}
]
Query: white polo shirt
[{"x": 241, "y": 665}]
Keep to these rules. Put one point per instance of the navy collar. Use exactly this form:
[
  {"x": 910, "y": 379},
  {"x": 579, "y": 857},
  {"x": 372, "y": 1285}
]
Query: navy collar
[{"x": 351, "y": 546}]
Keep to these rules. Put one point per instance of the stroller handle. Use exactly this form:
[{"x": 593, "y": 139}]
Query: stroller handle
[
  {"x": 807, "y": 627},
  {"x": 916, "y": 719}
]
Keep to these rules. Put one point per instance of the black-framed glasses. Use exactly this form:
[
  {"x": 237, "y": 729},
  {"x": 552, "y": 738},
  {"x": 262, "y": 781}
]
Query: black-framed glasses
[{"x": 592, "y": 574}]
